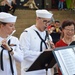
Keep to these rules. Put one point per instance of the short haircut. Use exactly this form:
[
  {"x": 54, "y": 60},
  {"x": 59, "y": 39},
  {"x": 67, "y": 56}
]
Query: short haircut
[
  {"x": 67, "y": 23},
  {"x": 57, "y": 21}
]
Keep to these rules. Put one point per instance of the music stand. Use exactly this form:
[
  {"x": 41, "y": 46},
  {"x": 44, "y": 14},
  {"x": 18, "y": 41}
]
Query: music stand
[
  {"x": 65, "y": 57},
  {"x": 44, "y": 61}
]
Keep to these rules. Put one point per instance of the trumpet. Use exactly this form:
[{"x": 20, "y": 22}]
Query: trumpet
[{"x": 8, "y": 36}]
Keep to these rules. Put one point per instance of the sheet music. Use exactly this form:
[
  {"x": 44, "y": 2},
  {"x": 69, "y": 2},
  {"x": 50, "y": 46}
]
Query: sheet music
[
  {"x": 67, "y": 58},
  {"x": 62, "y": 68}
]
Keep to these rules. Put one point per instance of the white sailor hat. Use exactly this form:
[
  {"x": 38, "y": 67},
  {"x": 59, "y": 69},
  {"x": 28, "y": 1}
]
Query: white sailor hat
[
  {"x": 43, "y": 13},
  {"x": 7, "y": 17}
]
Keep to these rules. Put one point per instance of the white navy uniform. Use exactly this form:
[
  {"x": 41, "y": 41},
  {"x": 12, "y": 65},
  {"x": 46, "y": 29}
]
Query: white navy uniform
[
  {"x": 30, "y": 44},
  {"x": 17, "y": 56}
]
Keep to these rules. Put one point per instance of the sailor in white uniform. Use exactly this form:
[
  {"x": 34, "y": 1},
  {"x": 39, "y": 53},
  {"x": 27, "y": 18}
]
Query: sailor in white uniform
[
  {"x": 9, "y": 45},
  {"x": 33, "y": 42}
]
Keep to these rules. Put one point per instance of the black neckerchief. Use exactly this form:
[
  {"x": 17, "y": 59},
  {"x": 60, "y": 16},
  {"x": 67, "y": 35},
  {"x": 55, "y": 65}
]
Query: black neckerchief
[
  {"x": 42, "y": 40},
  {"x": 10, "y": 59}
]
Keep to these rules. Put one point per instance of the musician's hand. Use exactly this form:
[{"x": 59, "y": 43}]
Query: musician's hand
[
  {"x": 10, "y": 8},
  {"x": 52, "y": 45},
  {"x": 5, "y": 45},
  {"x": 49, "y": 50}
]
